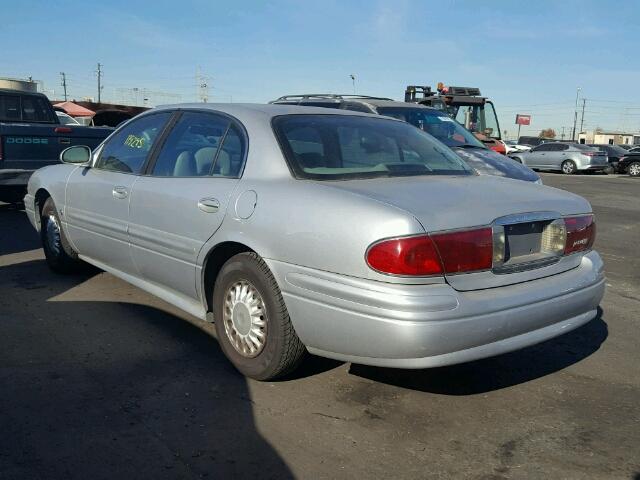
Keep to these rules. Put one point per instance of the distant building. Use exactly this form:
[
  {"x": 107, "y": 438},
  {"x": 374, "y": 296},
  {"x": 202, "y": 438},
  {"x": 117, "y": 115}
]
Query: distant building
[
  {"x": 18, "y": 84},
  {"x": 601, "y": 137}
]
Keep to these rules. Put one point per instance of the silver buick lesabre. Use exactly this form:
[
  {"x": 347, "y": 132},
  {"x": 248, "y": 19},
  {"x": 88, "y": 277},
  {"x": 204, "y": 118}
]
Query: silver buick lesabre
[{"x": 347, "y": 235}]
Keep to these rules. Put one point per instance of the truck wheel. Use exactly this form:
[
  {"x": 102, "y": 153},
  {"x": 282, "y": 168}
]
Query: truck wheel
[
  {"x": 12, "y": 194},
  {"x": 251, "y": 320},
  {"x": 60, "y": 256},
  {"x": 569, "y": 167},
  {"x": 634, "y": 169}
]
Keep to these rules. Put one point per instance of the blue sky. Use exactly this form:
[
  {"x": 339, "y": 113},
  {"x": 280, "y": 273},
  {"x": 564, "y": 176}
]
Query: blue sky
[{"x": 528, "y": 56}]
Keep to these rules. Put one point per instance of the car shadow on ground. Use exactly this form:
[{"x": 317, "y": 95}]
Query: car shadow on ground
[
  {"x": 100, "y": 389},
  {"x": 16, "y": 233},
  {"x": 497, "y": 372}
]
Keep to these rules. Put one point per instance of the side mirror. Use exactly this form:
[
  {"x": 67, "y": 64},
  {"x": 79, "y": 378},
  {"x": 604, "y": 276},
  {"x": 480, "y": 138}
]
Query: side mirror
[{"x": 77, "y": 155}]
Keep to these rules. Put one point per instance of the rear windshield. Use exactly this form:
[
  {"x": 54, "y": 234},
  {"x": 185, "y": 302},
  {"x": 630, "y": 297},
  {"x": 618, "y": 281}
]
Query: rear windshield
[
  {"x": 342, "y": 146},
  {"x": 438, "y": 124}
]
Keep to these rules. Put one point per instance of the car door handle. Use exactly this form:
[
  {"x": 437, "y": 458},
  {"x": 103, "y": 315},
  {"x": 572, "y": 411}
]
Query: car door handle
[
  {"x": 120, "y": 192},
  {"x": 209, "y": 205}
]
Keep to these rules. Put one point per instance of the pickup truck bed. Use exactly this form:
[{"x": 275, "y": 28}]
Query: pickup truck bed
[{"x": 32, "y": 137}]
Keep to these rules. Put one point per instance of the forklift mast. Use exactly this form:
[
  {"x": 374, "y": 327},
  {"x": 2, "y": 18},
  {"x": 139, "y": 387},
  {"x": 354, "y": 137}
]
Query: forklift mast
[{"x": 465, "y": 104}]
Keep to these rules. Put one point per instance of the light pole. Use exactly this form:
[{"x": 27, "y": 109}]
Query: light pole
[
  {"x": 353, "y": 81},
  {"x": 575, "y": 116}
]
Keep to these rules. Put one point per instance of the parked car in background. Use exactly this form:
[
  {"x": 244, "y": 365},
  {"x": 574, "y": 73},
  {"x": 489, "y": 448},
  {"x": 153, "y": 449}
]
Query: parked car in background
[
  {"x": 568, "y": 158},
  {"x": 433, "y": 121},
  {"x": 630, "y": 164},
  {"x": 635, "y": 149},
  {"x": 512, "y": 147},
  {"x": 233, "y": 213},
  {"x": 66, "y": 119},
  {"x": 31, "y": 136},
  {"x": 614, "y": 153}
]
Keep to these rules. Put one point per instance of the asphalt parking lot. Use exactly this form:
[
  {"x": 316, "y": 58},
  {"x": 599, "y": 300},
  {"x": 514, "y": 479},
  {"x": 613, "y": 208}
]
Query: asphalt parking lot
[{"x": 101, "y": 380}]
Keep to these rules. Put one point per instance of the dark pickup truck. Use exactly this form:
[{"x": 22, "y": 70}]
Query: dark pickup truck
[{"x": 31, "y": 137}]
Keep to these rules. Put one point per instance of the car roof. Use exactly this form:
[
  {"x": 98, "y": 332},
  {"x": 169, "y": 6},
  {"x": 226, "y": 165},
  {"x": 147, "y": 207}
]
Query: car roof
[{"x": 260, "y": 109}]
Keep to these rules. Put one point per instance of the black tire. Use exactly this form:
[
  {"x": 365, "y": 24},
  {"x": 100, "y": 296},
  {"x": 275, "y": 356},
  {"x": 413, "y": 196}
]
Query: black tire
[
  {"x": 61, "y": 258},
  {"x": 569, "y": 167},
  {"x": 634, "y": 169},
  {"x": 281, "y": 351}
]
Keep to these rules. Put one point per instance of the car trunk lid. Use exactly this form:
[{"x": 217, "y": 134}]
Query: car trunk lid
[{"x": 521, "y": 212}]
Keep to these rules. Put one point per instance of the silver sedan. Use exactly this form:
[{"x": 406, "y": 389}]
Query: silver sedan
[
  {"x": 566, "y": 157},
  {"x": 300, "y": 229}
]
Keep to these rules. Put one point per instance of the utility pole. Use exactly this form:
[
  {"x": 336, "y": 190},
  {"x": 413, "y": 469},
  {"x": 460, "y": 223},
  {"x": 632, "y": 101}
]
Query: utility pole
[
  {"x": 584, "y": 101},
  {"x": 64, "y": 84},
  {"x": 575, "y": 116},
  {"x": 353, "y": 81},
  {"x": 562, "y": 135},
  {"x": 99, "y": 73},
  {"x": 203, "y": 86}
]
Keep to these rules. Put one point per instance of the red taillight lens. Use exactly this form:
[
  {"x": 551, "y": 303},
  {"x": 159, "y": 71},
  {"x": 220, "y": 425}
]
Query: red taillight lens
[
  {"x": 63, "y": 130},
  {"x": 405, "y": 256},
  {"x": 454, "y": 252},
  {"x": 581, "y": 233},
  {"x": 465, "y": 251}
]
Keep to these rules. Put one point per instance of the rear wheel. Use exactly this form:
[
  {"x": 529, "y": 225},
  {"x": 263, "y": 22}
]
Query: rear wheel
[
  {"x": 251, "y": 320},
  {"x": 569, "y": 167},
  {"x": 634, "y": 169},
  {"x": 60, "y": 256}
]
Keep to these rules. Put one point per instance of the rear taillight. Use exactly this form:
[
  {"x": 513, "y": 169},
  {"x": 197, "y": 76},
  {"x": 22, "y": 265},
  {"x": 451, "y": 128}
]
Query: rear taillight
[
  {"x": 581, "y": 233},
  {"x": 453, "y": 252},
  {"x": 405, "y": 256},
  {"x": 465, "y": 251},
  {"x": 474, "y": 250}
]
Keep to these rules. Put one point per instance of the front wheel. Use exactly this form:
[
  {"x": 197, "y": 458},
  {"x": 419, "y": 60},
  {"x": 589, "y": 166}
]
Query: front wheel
[
  {"x": 569, "y": 167},
  {"x": 251, "y": 320},
  {"x": 634, "y": 169},
  {"x": 60, "y": 256}
]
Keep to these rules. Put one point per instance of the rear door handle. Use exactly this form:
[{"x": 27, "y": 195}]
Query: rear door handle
[
  {"x": 209, "y": 204},
  {"x": 120, "y": 192}
]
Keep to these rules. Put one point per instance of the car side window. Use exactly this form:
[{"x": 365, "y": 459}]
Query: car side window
[
  {"x": 128, "y": 149},
  {"x": 562, "y": 147},
  {"x": 192, "y": 146},
  {"x": 356, "y": 107},
  {"x": 230, "y": 159},
  {"x": 541, "y": 148}
]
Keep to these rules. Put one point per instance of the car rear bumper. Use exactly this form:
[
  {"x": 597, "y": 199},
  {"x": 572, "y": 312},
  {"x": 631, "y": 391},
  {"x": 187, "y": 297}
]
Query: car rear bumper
[{"x": 419, "y": 326}]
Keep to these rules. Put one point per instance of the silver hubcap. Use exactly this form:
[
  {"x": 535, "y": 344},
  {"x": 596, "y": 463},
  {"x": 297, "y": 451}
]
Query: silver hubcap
[
  {"x": 634, "y": 169},
  {"x": 568, "y": 167},
  {"x": 245, "y": 319},
  {"x": 52, "y": 232}
]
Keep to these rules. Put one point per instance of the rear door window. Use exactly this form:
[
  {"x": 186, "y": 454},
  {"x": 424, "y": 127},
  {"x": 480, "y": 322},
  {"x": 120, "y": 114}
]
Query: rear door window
[{"x": 192, "y": 146}]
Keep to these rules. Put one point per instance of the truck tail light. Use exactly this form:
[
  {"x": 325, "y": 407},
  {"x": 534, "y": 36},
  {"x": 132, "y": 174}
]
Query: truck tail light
[
  {"x": 423, "y": 255},
  {"x": 581, "y": 233},
  {"x": 63, "y": 130}
]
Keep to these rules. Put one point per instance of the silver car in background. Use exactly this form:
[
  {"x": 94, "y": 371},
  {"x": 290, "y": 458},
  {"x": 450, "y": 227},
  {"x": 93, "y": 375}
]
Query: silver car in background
[
  {"x": 352, "y": 236},
  {"x": 568, "y": 158}
]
